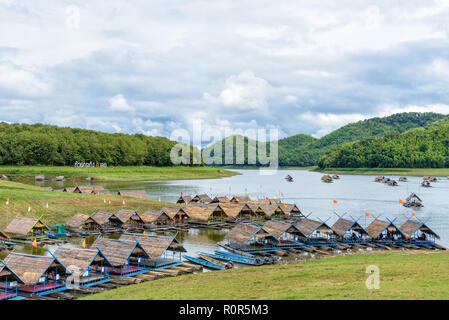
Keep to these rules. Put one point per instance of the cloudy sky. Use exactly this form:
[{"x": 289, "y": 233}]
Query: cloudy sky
[{"x": 150, "y": 66}]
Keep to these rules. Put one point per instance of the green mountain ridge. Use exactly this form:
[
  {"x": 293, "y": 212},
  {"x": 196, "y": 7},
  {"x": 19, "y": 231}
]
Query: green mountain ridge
[{"x": 302, "y": 150}]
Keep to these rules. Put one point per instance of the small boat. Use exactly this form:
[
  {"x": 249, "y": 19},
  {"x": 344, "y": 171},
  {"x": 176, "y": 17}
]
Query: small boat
[
  {"x": 208, "y": 257},
  {"x": 289, "y": 178},
  {"x": 204, "y": 263},
  {"x": 426, "y": 184},
  {"x": 227, "y": 256}
]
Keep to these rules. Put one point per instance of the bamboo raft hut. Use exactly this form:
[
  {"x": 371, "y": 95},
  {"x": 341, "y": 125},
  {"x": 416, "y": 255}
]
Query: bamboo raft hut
[
  {"x": 177, "y": 214},
  {"x": 385, "y": 233},
  {"x": 87, "y": 189},
  {"x": 403, "y": 179},
  {"x": 287, "y": 235},
  {"x": 138, "y": 194},
  {"x": 9, "y": 281},
  {"x": 426, "y": 184},
  {"x": 273, "y": 211},
  {"x": 89, "y": 266},
  {"x": 413, "y": 200},
  {"x": 336, "y": 177},
  {"x": 156, "y": 218},
  {"x": 184, "y": 200},
  {"x": 129, "y": 218},
  {"x": 316, "y": 233},
  {"x": 379, "y": 178},
  {"x": 327, "y": 178},
  {"x": 418, "y": 233},
  {"x": 82, "y": 222},
  {"x": 250, "y": 238},
  {"x": 201, "y": 198},
  {"x": 26, "y": 228},
  {"x": 126, "y": 257},
  {"x": 350, "y": 232},
  {"x": 164, "y": 251},
  {"x": 292, "y": 211},
  {"x": 40, "y": 275},
  {"x": 220, "y": 200},
  {"x": 392, "y": 183},
  {"x": 240, "y": 199},
  {"x": 208, "y": 214}
]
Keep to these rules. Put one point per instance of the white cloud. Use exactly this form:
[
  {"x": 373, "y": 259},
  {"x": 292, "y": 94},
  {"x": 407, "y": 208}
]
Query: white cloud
[
  {"x": 119, "y": 103},
  {"x": 22, "y": 82},
  {"x": 243, "y": 91}
]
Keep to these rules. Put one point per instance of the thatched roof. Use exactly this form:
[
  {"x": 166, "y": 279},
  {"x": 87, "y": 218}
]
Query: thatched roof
[
  {"x": 4, "y": 236},
  {"x": 155, "y": 246},
  {"x": 80, "y": 258},
  {"x": 101, "y": 191},
  {"x": 87, "y": 189},
  {"x": 240, "y": 199},
  {"x": 102, "y": 217},
  {"x": 184, "y": 199},
  {"x": 30, "y": 268},
  {"x": 343, "y": 225},
  {"x": 378, "y": 226},
  {"x": 22, "y": 226},
  {"x": 202, "y": 212},
  {"x": 140, "y": 194},
  {"x": 204, "y": 198},
  {"x": 409, "y": 227},
  {"x": 272, "y": 209},
  {"x": 245, "y": 232},
  {"x": 150, "y": 216},
  {"x": 232, "y": 210},
  {"x": 125, "y": 215},
  {"x": 413, "y": 196},
  {"x": 308, "y": 226},
  {"x": 70, "y": 189},
  {"x": 220, "y": 200},
  {"x": 278, "y": 228},
  {"x": 118, "y": 251},
  {"x": 77, "y": 220},
  {"x": 174, "y": 212},
  {"x": 5, "y": 271}
]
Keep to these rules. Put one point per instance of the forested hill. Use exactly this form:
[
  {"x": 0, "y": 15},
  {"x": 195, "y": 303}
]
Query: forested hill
[
  {"x": 22, "y": 144},
  {"x": 425, "y": 147},
  {"x": 310, "y": 151}
]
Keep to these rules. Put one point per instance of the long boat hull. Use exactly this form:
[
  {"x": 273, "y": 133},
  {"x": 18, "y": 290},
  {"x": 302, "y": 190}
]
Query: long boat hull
[{"x": 204, "y": 263}]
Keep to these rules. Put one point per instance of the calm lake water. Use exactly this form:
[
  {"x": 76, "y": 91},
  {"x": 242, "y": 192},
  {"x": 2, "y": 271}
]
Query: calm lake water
[{"x": 356, "y": 194}]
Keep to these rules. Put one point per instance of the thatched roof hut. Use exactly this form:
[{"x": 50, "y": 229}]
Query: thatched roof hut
[
  {"x": 415, "y": 229},
  {"x": 345, "y": 227},
  {"x": 246, "y": 233},
  {"x": 34, "y": 269},
  {"x": 413, "y": 200},
  {"x": 119, "y": 252},
  {"x": 87, "y": 189},
  {"x": 4, "y": 236},
  {"x": 156, "y": 217},
  {"x": 326, "y": 178},
  {"x": 280, "y": 228},
  {"x": 184, "y": 200},
  {"x": 205, "y": 213},
  {"x": 139, "y": 194},
  {"x": 203, "y": 198},
  {"x": 155, "y": 246},
  {"x": 292, "y": 210},
  {"x": 413, "y": 196},
  {"x": 240, "y": 199},
  {"x": 392, "y": 183},
  {"x": 176, "y": 213},
  {"x": 21, "y": 226},
  {"x": 102, "y": 217},
  {"x": 379, "y": 229},
  {"x": 309, "y": 227},
  {"x": 83, "y": 259},
  {"x": 129, "y": 217},
  {"x": 69, "y": 189},
  {"x": 77, "y": 220},
  {"x": 220, "y": 200},
  {"x": 7, "y": 275},
  {"x": 403, "y": 179},
  {"x": 104, "y": 191},
  {"x": 273, "y": 211},
  {"x": 232, "y": 210},
  {"x": 379, "y": 178}
]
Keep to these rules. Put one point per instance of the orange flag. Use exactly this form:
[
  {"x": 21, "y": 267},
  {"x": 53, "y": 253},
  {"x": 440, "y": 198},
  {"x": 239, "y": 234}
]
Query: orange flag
[
  {"x": 335, "y": 201},
  {"x": 285, "y": 206},
  {"x": 401, "y": 201},
  {"x": 84, "y": 243},
  {"x": 367, "y": 214},
  {"x": 414, "y": 214},
  {"x": 34, "y": 244},
  {"x": 246, "y": 229}
]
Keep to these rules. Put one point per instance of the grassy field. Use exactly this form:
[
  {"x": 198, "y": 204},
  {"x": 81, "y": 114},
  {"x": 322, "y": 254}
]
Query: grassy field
[
  {"x": 141, "y": 173},
  {"x": 436, "y": 172},
  {"x": 61, "y": 205},
  {"x": 403, "y": 275}
]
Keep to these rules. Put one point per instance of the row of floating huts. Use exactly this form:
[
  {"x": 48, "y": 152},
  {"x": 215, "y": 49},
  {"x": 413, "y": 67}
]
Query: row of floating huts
[
  {"x": 25, "y": 275},
  {"x": 274, "y": 235}
]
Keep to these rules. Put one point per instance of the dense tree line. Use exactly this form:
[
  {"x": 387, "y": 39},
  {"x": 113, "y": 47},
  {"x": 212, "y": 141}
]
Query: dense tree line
[
  {"x": 22, "y": 144},
  {"x": 426, "y": 147},
  {"x": 302, "y": 151}
]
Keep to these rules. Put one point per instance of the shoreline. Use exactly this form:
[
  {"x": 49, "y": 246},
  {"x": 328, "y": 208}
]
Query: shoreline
[{"x": 416, "y": 172}]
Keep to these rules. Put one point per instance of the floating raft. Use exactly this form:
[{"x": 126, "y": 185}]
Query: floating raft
[{"x": 204, "y": 263}]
